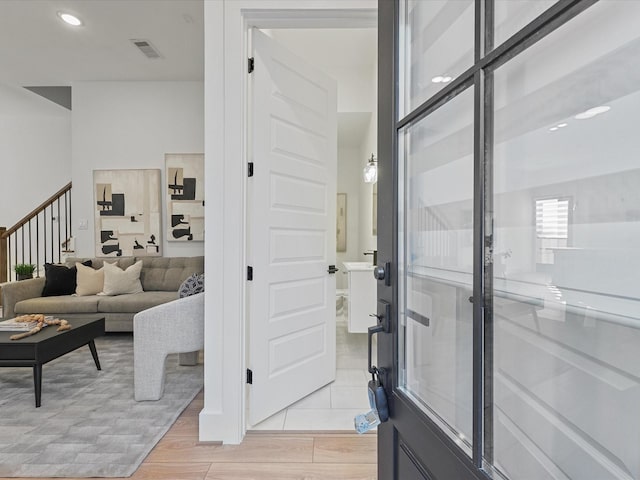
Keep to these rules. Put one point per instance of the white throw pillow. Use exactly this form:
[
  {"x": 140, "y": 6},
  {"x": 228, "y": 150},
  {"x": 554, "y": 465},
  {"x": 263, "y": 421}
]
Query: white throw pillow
[
  {"x": 88, "y": 280},
  {"x": 118, "y": 281}
]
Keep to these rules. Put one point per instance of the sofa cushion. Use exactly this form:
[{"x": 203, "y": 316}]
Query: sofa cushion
[
  {"x": 60, "y": 279},
  {"x": 134, "y": 302},
  {"x": 118, "y": 281},
  {"x": 168, "y": 273},
  {"x": 89, "y": 281},
  {"x": 59, "y": 305},
  {"x": 192, "y": 285}
]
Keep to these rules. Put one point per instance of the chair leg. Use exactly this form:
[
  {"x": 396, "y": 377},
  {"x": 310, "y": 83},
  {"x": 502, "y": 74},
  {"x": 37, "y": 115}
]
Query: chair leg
[
  {"x": 149, "y": 375},
  {"x": 188, "y": 358}
]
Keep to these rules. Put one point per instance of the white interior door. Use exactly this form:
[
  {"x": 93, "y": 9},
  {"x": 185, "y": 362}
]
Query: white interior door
[{"x": 292, "y": 229}]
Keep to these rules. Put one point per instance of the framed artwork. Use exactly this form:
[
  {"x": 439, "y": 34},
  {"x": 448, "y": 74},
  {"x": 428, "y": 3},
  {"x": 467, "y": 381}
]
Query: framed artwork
[
  {"x": 184, "y": 187},
  {"x": 341, "y": 223},
  {"x": 127, "y": 213}
]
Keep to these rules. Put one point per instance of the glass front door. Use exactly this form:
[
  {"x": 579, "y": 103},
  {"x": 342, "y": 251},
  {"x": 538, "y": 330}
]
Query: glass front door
[{"x": 509, "y": 212}]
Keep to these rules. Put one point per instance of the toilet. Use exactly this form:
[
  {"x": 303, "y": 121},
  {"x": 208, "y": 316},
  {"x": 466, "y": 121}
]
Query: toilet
[{"x": 342, "y": 297}]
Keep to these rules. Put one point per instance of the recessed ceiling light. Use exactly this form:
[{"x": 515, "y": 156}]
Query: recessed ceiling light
[
  {"x": 553, "y": 129},
  {"x": 562, "y": 125},
  {"x": 599, "y": 110},
  {"x": 584, "y": 115},
  {"x": 442, "y": 79},
  {"x": 70, "y": 19},
  {"x": 592, "y": 112}
]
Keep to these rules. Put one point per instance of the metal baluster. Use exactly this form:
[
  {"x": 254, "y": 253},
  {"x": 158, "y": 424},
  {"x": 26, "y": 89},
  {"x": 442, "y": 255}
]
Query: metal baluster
[
  {"x": 44, "y": 230},
  {"x": 66, "y": 214},
  {"x": 52, "y": 240},
  {"x": 70, "y": 230},
  {"x": 59, "y": 231},
  {"x": 30, "y": 240},
  {"x": 9, "y": 269},
  {"x": 38, "y": 245}
]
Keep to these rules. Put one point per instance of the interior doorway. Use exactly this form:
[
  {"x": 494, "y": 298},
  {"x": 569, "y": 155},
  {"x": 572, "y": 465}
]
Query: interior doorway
[{"x": 350, "y": 57}]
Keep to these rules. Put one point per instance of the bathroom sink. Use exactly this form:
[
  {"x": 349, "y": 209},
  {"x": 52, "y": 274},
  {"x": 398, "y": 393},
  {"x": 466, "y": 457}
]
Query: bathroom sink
[
  {"x": 350, "y": 266},
  {"x": 362, "y": 296}
]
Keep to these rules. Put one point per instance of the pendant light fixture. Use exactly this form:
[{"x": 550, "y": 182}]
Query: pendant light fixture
[{"x": 370, "y": 172}]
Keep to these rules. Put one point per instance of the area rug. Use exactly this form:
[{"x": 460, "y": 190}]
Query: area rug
[{"x": 89, "y": 425}]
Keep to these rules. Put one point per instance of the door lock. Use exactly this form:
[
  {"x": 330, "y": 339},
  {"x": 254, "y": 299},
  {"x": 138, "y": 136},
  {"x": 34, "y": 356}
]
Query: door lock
[{"x": 383, "y": 273}]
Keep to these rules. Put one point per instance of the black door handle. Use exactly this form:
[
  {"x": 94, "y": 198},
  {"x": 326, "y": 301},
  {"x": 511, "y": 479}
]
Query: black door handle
[
  {"x": 383, "y": 325},
  {"x": 332, "y": 269}
]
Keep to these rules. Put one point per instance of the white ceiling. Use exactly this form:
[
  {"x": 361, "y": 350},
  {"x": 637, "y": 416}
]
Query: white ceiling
[{"x": 37, "y": 48}]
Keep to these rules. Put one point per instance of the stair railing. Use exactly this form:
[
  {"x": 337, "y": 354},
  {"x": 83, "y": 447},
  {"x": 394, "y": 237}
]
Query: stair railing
[{"x": 40, "y": 237}]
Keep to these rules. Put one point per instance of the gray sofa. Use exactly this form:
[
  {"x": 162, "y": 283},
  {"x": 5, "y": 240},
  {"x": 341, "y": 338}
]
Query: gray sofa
[{"x": 161, "y": 278}]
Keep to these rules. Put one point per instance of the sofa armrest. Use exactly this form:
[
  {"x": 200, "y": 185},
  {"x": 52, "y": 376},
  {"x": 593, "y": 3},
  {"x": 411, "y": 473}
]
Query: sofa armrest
[
  {"x": 181, "y": 321},
  {"x": 14, "y": 292}
]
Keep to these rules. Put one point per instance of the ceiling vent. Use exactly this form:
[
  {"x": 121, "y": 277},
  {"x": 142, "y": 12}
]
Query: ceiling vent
[{"x": 145, "y": 47}]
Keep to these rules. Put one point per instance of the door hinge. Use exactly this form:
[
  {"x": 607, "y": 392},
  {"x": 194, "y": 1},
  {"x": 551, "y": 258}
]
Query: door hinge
[
  {"x": 250, "y": 169},
  {"x": 251, "y": 64},
  {"x": 249, "y": 273},
  {"x": 249, "y": 376}
]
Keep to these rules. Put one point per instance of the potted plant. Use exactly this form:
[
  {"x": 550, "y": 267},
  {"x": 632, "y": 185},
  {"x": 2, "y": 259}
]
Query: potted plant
[{"x": 24, "y": 270}]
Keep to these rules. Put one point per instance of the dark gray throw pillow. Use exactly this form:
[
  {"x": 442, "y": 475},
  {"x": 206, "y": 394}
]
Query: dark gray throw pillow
[
  {"x": 192, "y": 285},
  {"x": 60, "y": 280}
]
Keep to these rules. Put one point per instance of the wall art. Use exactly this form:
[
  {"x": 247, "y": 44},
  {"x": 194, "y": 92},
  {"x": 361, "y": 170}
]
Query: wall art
[
  {"x": 185, "y": 196},
  {"x": 127, "y": 213},
  {"x": 341, "y": 223}
]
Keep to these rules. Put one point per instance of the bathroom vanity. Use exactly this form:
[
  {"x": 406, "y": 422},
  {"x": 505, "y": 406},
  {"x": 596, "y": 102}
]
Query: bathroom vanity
[{"x": 362, "y": 296}]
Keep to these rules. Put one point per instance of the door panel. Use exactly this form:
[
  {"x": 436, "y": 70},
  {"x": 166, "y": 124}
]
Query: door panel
[{"x": 292, "y": 229}]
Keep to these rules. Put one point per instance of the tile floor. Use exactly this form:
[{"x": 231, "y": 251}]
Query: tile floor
[{"x": 334, "y": 406}]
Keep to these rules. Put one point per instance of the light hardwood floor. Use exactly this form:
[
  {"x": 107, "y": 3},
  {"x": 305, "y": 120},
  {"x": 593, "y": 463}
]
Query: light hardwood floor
[{"x": 261, "y": 456}]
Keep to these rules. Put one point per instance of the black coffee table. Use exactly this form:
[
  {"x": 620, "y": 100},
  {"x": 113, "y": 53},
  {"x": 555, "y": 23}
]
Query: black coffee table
[{"x": 47, "y": 345}]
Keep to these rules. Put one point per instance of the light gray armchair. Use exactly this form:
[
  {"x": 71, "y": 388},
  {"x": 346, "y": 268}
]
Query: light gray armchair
[{"x": 174, "y": 327}]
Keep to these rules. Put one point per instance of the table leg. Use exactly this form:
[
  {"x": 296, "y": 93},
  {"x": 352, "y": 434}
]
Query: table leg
[
  {"x": 37, "y": 382},
  {"x": 94, "y": 352}
]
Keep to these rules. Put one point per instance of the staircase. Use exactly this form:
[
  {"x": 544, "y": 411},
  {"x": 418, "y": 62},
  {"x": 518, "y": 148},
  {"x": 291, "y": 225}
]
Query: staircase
[{"x": 42, "y": 236}]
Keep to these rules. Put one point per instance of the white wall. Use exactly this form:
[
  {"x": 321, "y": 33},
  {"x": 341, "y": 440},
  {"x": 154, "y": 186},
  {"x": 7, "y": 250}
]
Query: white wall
[
  {"x": 35, "y": 151},
  {"x": 131, "y": 125},
  {"x": 355, "y": 88},
  {"x": 368, "y": 241},
  {"x": 349, "y": 180}
]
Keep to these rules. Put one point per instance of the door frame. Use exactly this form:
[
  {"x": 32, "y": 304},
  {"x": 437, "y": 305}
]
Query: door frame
[{"x": 227, "y": 26}]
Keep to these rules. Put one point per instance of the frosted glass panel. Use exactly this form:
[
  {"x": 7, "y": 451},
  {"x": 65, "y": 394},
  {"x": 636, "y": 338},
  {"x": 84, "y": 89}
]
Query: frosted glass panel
[
  {"x": 566, "y": 252},
  {"x": 512, "y": 15},
  {"x": 436, "y": 45},
  {"x": 436, "y": 197}
]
